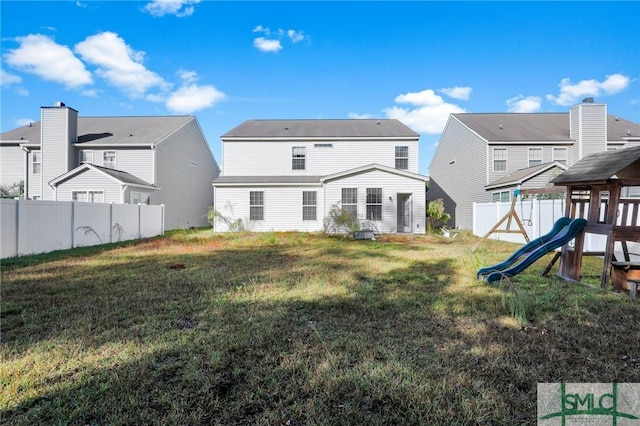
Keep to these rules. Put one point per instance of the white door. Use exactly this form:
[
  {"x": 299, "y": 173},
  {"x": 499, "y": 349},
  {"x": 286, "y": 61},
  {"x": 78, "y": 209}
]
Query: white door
[{"x": 404, "y": 213}]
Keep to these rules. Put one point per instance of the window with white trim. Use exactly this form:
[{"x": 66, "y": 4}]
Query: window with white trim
[
  {"x": 350, "y": 201},
  {"x": 402, "y": 157},
  {"x": 560, "y": 155},
  {"x": 36, "y": 157},
  {"x": 109, "y": 159},
  {"x": 535, "y": 156},
  {"x": 309, "y": 205},
  {"x": 136, "y": 197},
  {"x": 256, "y": 205},
  {"x": 499, "y": 159},
  {"x": 86, "y": 156},
  {"x": 500, "y": 196},
  {"x": 88, "y": 196},
  {"x": 374, "y": 203},
  {"x": 299, "y": 154}
]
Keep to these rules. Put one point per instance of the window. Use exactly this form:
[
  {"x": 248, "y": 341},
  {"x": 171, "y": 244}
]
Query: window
[
  {"x": 402, "y": 157},
  {"x": 502, "y": 196},
  {"x": 299, "y": 155},
  {"x": 109, "y": 159},
  {"x": 560, "y": 155},
  {"x": 256, "y": 205},
  {"x": 535, "y": 156},
  {"x": 499, "y": 159},
  {"x": 374, "y": 203},
  {"x": 350, "y": 201},
  {"x": 308, "y": 205},
  {"x": 37, "y": 162},
  {"x": 86, "y": 156},
  {"x": 88, "y": 196},
  {"x": 138, "y": 197}
]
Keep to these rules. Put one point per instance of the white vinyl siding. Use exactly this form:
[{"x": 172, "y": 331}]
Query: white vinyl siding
[
  {"x": 273, "y": 158},
  {"x": 535, "y": 157},
  {"x": 309, "y": 205},
  {"x": 256, "y": 205},
  {"x": 90, "y": 181},
  {"x": 298, "y": 156},
  {"x": 58, "y": 133},
  {"x": 499, "y": 159},
  {"x": 12, "y": 165},
  {"x": 349, "y": 200},
  {"x": 402, "y": 157}
]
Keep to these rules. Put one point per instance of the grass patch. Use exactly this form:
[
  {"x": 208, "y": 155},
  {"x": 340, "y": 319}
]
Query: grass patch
[{"x": 293, "y": 328}]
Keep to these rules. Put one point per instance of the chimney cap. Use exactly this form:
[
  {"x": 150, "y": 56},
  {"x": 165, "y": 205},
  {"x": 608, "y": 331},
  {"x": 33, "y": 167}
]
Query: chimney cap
[
  {"x": 588, "y": 100},
  {"x": 59, "y": 104}
]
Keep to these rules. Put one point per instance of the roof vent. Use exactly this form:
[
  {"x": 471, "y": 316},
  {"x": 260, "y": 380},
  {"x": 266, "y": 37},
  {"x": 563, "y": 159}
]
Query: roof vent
[
  {"x": 378, "y": 122},
  {"x": 587, "y": 101},
  {"x": 500, "y": 126},
  {"x": 628, "y": 132}
]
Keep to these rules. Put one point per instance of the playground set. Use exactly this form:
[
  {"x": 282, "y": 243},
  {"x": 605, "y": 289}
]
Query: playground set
[{"x": 594, "y": 187}]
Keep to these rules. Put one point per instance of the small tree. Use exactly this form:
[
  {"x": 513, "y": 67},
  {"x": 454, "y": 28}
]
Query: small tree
[
  {"x": 436, "y": 214},
  {"x": 340, "y": 221},
  {"x": 11, "y": 191}
]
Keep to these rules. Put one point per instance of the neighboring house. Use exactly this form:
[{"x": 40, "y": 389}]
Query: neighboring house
[
  {"x": 286, "y": 175},
  {"x": 147, "y": 160},
  {"x": 485, "y": 157}
]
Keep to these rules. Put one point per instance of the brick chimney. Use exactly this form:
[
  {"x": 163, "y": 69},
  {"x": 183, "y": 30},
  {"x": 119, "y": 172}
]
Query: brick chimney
[
  {"x": 588, "y": 127},
  {"x": 59, "y": 131}
]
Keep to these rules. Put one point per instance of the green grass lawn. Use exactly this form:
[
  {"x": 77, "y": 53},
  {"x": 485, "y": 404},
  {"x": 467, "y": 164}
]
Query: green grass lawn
[{"x": 290, "y": 329}]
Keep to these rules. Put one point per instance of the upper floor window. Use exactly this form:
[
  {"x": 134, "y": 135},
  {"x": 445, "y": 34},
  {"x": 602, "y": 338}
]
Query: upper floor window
[
  {"x": 374, "y": 203},
  {"x": 86, "y": 156},
  {"x": 402, "y": 157},
  {"x": 499, "y": 159},
  {"x": 350, "y": 201},
  {"x": 560, "y": 155},
  {"x": 256, "y": 205},
  {"x": 36, "y": 157},
  {"x": 535, "y": 156},
  {"x": 299, "y": 155},
  {"x": 109, "y": 159},
  {"x": 308, "y": 205}
]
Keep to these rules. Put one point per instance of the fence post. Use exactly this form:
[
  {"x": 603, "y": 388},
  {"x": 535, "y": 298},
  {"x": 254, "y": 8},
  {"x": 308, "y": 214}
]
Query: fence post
[
  {"x": 18, "y": 210},
  {"x": 111, "y": 223},
  {"x": 73, "y": 223},
  {"x": 139, "y": 221}
]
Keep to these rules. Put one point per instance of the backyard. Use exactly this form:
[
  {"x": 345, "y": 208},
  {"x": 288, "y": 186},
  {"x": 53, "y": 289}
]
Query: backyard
[{"x": 292, "y": 329}]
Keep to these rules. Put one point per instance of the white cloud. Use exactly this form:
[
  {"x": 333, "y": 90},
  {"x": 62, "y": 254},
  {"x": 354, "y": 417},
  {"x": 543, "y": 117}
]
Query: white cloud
[
  {"x": 7, "y": 79},
  {"x": 40, "y": 55},
  {"x": 117, "y": 63},
  {"x": 80, "y": 4},
  {"x": 429, "y": 116},
  {"x": 357, "y": 116},
  {"x": 179, "y": 8},
  {"x": 462, "y": 93},
  {"x": 267, "y": 45},
  {"x": 192, "y": 98},
  {"x": 187, "y": 76},
  {"x": 295, "y": 36},
  {"x": 571, "y": 93},
  {"x": 521, "y": 103},
  {"x": 90, "y": 93}
]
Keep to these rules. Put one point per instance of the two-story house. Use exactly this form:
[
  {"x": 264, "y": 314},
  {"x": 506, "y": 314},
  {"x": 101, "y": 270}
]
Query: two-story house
[
  {"x": 485, "y": 157},
  {"x": 285, "y": 175},
  {"x": 148, "y": 160}
]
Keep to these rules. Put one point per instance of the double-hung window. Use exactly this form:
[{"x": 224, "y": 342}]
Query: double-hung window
[
  {"x": 535, "y": 156},
  {"x": 36, "y": 161},
  {"x": 502, "y": 196},
  {"x": 109, "y": 159},
  {"x": 499, "y": 159},
  {"x": 299, "y": 154},
  {"x": 86, "y": 156},
  {"x": 560, "y": 155},
  {"x": 402, "y": 157},
  {"x": 256, "y": 205},
  {"x": 308, "y": 205},
  {"x": 374, "y": 203},
  {"x": 350, "y": 201}
]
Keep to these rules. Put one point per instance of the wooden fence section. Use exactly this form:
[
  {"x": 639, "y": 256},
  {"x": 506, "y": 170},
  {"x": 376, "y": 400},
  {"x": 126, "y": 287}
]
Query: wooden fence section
[{"x": 32, "y": 227}]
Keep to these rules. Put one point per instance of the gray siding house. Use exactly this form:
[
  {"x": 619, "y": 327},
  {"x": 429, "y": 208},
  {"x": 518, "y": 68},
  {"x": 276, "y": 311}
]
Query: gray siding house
[
  {"x": 287, "y": 175},
  {"x": 485, "y": 157},
  {"x": 148, "y": 160}
]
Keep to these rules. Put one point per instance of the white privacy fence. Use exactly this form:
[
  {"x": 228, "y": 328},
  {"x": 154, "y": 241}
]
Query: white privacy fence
[
  {"x": 538, "y": 217},
  {"x": 32, "y": 227}
]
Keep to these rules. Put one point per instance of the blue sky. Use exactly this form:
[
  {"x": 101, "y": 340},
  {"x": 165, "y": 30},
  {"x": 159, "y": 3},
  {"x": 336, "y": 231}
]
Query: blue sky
[{"x": 227, "y": 62}]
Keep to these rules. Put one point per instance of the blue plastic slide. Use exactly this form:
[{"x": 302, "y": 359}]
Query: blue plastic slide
[{"x": 563, "y": 231}]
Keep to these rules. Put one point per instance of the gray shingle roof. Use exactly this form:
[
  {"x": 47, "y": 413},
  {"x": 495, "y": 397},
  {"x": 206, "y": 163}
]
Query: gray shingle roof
[
  {"x": 347, "y": 128},
  {"x": 522, "y": 175},
  {"x": 109, "y": 130},
  {"x": 537, "y": 126},
  {"x": 123, "y": 177},
  {"x": 601, "y": 166}
]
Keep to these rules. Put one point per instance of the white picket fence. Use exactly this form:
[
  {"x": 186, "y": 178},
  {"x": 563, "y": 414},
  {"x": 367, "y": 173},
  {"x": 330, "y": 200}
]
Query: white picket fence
[
  {"x": 538, "y": 217},
  {"x": 34, "y": 226}
]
